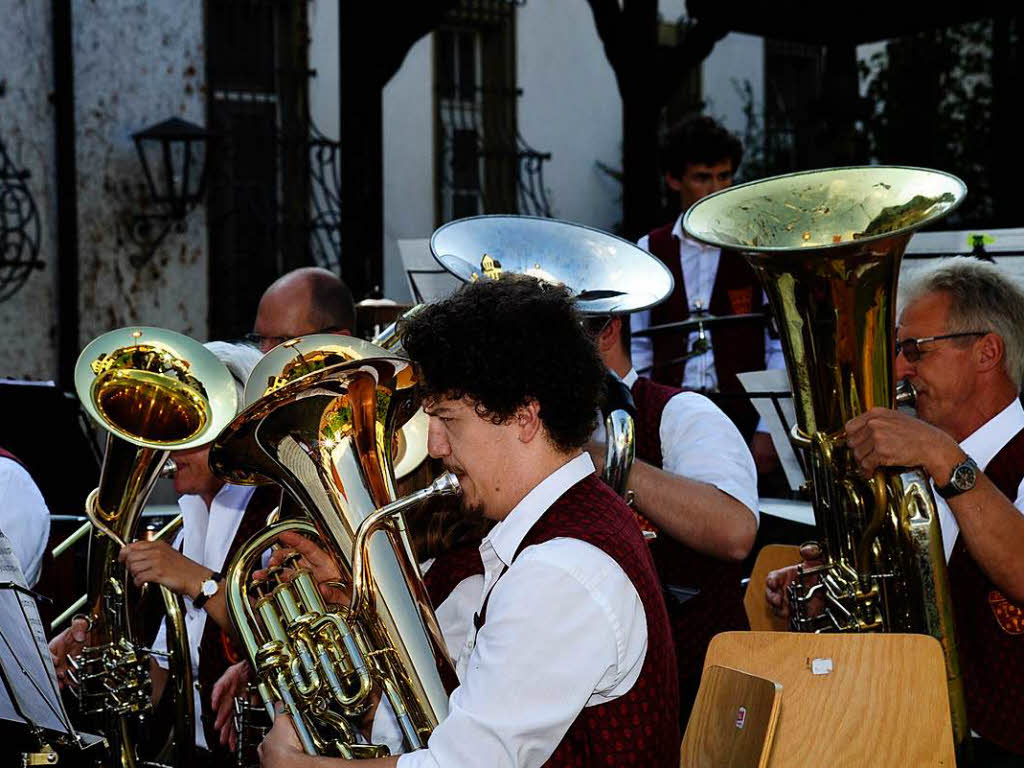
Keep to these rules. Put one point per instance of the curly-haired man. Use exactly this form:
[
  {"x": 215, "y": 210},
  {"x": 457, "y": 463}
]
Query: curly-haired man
[{"x": 571, "y": 633}]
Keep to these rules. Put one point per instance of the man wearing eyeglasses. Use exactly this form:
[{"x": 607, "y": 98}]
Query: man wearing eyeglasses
[
  {"x": 960, "y": 343},
  {"x": 302, "y": 302}
]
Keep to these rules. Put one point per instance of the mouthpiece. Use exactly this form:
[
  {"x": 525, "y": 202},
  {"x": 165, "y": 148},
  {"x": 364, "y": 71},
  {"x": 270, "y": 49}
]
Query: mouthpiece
[
  {"x": 905, "y": 394},
  {"x": 446, "y": 485}
]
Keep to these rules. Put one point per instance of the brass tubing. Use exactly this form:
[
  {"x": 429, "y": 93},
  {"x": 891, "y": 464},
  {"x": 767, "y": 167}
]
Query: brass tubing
[
  {"x": 68, "y": 612},
  {"x": 445, "y": 485},
  {"x": 71, "y": 540}
]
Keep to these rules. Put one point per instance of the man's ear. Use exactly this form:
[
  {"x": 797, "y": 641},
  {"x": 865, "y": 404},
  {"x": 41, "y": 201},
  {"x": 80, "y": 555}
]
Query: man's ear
[
  {"x": 608, "y": 339},
  {"x": 990, "y": 351},
  {"x": 674, "y": 183},
  {"x": 527, "y": 421}
]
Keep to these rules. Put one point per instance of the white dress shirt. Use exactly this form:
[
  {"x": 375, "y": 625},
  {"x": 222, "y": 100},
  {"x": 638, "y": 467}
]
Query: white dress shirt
[
  {"x": 700, "y": 267},
  {"x": 982, "y": 445},
  {"x": 207, "y": 535},
  {"x": 24, "y": 517},
  {"x": 565, "y": 630},
  {"x": 455, "y": 617},
  {"x": 700, "y": 442}
]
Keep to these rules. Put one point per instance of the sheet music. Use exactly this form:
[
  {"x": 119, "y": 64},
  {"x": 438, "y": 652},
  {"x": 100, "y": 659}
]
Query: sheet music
[
  {"x": 776, "y": 380},
  {"x": 28, "y": 674}
]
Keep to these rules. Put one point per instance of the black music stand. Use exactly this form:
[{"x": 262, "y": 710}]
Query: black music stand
[
  {"x": 31, "y": 710},
  {"x": 47, "y": 430}
]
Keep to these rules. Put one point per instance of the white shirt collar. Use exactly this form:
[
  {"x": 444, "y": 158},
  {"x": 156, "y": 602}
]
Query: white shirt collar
[
  {"x": 677, "y": 231},
  {"x": 985, "y": 442},
  {"x": 507, "y": 535},
  {"x": 198, "y": 543},
  {"x": 630, "y": 378}
]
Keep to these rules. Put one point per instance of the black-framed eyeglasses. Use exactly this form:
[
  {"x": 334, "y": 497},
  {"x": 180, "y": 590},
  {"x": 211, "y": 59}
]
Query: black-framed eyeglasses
[
  {"x": 259, "y": 340},
  {"x": 911, "y": 348}
]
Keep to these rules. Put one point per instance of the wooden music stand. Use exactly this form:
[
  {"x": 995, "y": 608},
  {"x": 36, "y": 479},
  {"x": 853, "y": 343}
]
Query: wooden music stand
[
  {"x": 849, "y": 701},
  {"x": 733, "y": 720},
  {"x": 770, "y": 558}
]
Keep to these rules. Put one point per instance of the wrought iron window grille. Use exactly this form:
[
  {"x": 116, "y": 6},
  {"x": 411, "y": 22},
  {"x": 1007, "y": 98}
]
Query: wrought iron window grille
[
  {"x": 19, "y": 228},
  {"x": 486, "y": 165}
]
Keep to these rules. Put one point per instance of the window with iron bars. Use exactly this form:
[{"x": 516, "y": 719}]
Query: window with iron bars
[{"x": 483, "y": 164}]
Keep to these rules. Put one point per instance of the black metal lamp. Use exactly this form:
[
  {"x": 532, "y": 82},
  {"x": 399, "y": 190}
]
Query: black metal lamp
[{"x": 173, "y": 158}]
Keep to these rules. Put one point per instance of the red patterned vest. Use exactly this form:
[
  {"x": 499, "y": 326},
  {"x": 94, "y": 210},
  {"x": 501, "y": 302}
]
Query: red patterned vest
[
  {"x": 641, "y": 727},
  {"x": 217, "y": 651},
  {"x": 719, "y": 606},
  {"x": 736, "y": 348},
  {"x": 449, "y": 568},
  {"x": 991, "y": 628}
]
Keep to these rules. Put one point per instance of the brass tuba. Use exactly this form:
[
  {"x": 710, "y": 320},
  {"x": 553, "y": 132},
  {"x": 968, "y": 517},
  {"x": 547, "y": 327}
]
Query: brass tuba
[
  {"x": 323, "y": 427},
  {"x": 827, "y": 247},
  {"x": 153, "y": 391}
]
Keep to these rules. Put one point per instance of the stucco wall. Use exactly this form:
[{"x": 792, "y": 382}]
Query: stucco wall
[
  {"x": 136, "y": 62},
  {"x": 28, "y": 318},
  {"x": 408, "y": 111},
  {"x": 571, "y": 108},
  {"x": 734, "y": 59}
]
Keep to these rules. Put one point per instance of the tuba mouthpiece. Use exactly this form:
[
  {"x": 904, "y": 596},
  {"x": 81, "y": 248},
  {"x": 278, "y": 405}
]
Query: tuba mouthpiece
[{"x": 446, "y": 485}]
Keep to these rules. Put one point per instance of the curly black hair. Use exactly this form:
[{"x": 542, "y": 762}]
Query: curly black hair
[
  {"x": 698, "y": 140},
  {"x": 504, "y": 343}
]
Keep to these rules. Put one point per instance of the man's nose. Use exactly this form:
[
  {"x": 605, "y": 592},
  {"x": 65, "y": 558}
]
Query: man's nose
[{"x": 437, "y": 443}]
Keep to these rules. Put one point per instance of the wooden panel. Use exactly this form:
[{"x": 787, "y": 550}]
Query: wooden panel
[
  {"x": 733, "y": 720},
  {"x": 884, "y": 703},
  {"x": 770, "y": 558}
]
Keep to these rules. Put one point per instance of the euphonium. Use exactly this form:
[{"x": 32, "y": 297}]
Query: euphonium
[
  {"x": 827, "y": 247},
  {"x": 324, "y": 430},
  {"x": 153, "y": 391}
]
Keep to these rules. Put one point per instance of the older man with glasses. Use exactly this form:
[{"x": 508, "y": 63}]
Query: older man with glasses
[{"x": 960, "y": 343}]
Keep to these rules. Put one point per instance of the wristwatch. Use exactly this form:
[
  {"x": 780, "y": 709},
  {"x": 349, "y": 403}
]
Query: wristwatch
[
  {"x": 961, "y": 479},
  {"x": 207, "y": 590}
]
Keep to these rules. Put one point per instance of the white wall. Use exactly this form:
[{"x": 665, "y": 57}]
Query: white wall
[
  {"x": 136, "y": 62},
  {"x": 571, "y": 108},
  {"x": 735, "y": 58},
  {"x": 409, "y": 200},
  {"x": 323, "y": 59}
]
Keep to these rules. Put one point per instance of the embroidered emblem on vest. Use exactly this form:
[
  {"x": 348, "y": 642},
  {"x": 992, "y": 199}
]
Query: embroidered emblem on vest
[
  {"x": 1009, "y": 617},
  {"x": 228, "y": 646},
  {"x": 741, "y": 300}
]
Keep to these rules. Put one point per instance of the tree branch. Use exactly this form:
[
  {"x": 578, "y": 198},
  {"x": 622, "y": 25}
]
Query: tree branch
[
  {"x": 697, "y": 41},
  {"x": 608, "y": 21}
]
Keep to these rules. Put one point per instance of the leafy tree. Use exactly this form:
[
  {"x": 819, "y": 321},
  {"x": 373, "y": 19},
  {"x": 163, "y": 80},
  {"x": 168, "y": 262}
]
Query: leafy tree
[{"x": 647, "y": 75}]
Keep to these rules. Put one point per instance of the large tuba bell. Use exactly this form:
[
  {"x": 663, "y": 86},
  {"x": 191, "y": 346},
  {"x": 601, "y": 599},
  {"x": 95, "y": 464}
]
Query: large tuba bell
[
  {"x": 606, "y": 274},
  {"x": 323, "y": 415},
  {"x": 827, "y": 247},
  {"x": 153, "y": 391}
]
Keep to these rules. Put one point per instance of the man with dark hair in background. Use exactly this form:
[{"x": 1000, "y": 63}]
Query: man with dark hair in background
[
  {"x": 571, "y": 648},
  {"x": 699, "y": 158},
  {"x": 302, "y": 302}
]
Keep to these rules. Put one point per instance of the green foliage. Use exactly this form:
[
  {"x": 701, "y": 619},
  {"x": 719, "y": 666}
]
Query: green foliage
[{"x": 933, "y": 100}]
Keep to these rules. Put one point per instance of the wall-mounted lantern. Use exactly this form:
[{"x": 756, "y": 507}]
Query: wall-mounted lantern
[{"x": 173, "y": 157}]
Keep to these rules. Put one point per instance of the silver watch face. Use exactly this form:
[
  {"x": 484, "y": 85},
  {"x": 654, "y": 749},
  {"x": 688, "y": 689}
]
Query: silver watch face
[
  {"x": 964, "y": 477},
  {"x": 209, "y": 587}
]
